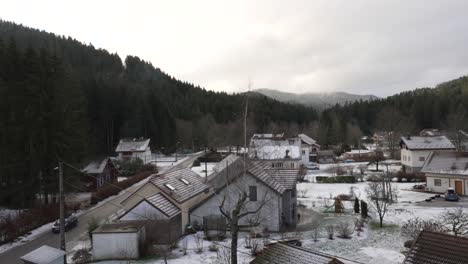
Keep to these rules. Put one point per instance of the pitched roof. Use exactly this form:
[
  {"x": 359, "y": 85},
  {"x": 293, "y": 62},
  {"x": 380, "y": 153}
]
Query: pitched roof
[
  {"x": 280, "y": 253},
  {"x": 43, "y": 255},
  {"x": 96, "y": 167},
  {"x": 444, "y": 162},
  {"x": 308, "y": 140},
  {"x": 164, "y": 205},
  {"x": 438, "y": 248},
  {"x": 427, "y": 143},
  {"x": 181, "y": 184},
  {"x": 132, "y": 145}
]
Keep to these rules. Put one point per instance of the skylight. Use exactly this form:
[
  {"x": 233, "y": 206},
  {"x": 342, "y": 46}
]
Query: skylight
[
  {"x": 170, "y": 187},
  {"x": 185, "y": 181}
]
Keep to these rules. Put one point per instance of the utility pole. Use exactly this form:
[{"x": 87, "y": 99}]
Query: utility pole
[{"x": 62, "y": 211}]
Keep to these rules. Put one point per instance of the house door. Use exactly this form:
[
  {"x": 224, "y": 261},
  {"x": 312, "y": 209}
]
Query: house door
[{"x": 459, "y": 187}]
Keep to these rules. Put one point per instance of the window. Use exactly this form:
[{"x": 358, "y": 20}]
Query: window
[
  {"x": 279, "y": 165},
  {"x": 184, "y": 181},
  {"x": 303, "y": 152},
  {"x": 253, "y": 193},
  {"x": 409, "y": 158},
  {"x": 293, "y": 193},
  {"x": 292, "y": 165},
  {"x": 170, "y": 187},
  {"x": 272, "y": 165},
  {"x": 422, "y": 158},
  {"x": 437, "y": 182}
]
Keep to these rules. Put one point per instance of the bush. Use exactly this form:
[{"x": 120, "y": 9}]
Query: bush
[
  {"x": 364, "y": 213},
  {"x": 356, "y": 205},
  {"x": 410, "y": 177},
  {"x": 413, "y": 227},
  {"x": 129, "y": 168},
  {"x": 330, "y": 229},
  {"x": 336, "y": 179},
  {"x": 344, "y": 230},
  {"x": 213, "y": 248},
  {"x": 115, "y": 188}
]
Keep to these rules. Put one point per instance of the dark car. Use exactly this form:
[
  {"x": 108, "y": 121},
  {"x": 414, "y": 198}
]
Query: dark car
[
  {"x": 70, "y": 222},
  {"x": 451, "y": 195}
]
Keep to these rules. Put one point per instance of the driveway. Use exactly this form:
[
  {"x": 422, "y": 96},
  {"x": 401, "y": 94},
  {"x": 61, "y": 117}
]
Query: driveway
[{"x": 79, "y": 233}]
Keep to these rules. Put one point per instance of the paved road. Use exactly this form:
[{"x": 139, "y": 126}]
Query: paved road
[{"x": 79, "y": 233}]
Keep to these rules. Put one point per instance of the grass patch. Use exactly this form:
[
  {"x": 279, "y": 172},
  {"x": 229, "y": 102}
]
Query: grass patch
[{"x": 376, "y": 225}]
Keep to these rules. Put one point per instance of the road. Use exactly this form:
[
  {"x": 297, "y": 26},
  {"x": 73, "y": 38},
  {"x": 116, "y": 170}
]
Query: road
[{"x": 79, "y": 233}]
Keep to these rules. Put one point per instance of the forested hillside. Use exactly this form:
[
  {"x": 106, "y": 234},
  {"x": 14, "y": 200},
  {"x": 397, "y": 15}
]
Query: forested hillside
[
  {"x": 444, "y": 107},
  {"x": 62, "y": 99}
]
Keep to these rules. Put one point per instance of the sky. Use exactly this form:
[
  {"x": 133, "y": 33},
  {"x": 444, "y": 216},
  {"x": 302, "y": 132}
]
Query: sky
[{"x": 364, "y": 47}]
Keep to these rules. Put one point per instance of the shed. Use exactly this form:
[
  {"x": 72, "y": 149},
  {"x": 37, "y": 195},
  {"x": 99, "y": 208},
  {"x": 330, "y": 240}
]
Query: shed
[
  {"x": 44, "y": 255},
  {"x": 119, "y": 240}
]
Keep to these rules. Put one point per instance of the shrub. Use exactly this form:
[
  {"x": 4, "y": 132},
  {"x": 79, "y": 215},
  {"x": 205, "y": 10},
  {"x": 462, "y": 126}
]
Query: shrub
[
  {"x": 115, "y": 188},
  {"x": 82, "y": 256},
  {"x": 199, "y": 244},
  {"x": 363, "y": 209},
  {"x": 410, "y": 177},
  {"x": 128, "y": 168},
  {"x": 356, "y": 205},
  {"x": 213, "y": 248},
  {"x": 413, "y": 227},
  {"x": 330, "y": 229},
  {"x": 344, "y": 230}
]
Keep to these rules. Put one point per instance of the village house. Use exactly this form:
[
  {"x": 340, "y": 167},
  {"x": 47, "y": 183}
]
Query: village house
[
  {"x": 272, "y": 187},
  {"x": 130, "y": 149},
  {"x": 416, "y": 149},
  {"x": 359, "y": 155},
  {"x": 309, "y": 149},
  {"x": 447, "y": 169},
  {"x": 433, "y": 247},
  {"x": 99, "y": 173},
  {"x": 280, "y": 151},
  {"x": 181, "y": 187},
  {"x": 282, "y": 253}
]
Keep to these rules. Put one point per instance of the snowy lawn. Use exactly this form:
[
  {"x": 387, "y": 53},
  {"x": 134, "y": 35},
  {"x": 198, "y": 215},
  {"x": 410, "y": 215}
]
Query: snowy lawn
[{"x": 373, "y": 245}]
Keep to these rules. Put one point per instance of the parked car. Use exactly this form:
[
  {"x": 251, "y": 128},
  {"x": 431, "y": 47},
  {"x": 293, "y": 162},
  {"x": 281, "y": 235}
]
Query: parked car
[
  {"x": 313, "y": 166},
  {"x": 70, "y": 222},
  {"x": 451, "y": 195},
  {"x": 349, "y": 161}
]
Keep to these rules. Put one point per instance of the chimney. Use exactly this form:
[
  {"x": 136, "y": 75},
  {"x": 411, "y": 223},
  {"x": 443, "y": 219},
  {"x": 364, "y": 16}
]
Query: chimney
[{"x": 408, "y": 137}]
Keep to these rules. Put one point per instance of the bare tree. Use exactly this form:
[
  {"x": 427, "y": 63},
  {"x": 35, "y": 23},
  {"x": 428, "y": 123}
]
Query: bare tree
[
  {"x": 380, "y": 198},
  {"x": 412, "y": 227},
  {"x": 456, "y": 220},
  {"x": 330, "y": 229}
]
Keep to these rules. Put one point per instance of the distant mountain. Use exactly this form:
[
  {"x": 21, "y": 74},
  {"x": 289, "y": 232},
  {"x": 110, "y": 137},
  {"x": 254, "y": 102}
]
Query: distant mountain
[{"x": 318, "y": 101}]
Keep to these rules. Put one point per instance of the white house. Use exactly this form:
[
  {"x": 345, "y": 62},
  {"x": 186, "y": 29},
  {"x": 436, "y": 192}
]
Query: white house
[
  {"x": 415, "y": 150},
  {"x": 44, "y": 255},
  {"x": 309, "y": 149},
  {"x": 118, "y": 241},
  {"x": 273, "y": 187},
  {"x": 129, "y": 149},
  {"x": 280, "y": 151},
  {"x": 447, "y": 169}
]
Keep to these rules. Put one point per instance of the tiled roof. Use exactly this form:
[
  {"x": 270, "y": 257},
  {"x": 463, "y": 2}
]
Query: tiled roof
[
  {"x": 438, "y": 248},
  {"x": 257, "y": 169},
  {"x": 427, "y": 143},
  {"x": 279, "y": 253},
  {"x": 43, "y": 255},
  {"x": 286, "y": 177},
  {"x": 96, "y": 167},
  {"x": 164, "y": 205},
  {"x": 132, "y": 145},
  {"x": 229, "y": 160},
  {"x": 444, "y": 162},
  {"x": 181, "y": 185}
]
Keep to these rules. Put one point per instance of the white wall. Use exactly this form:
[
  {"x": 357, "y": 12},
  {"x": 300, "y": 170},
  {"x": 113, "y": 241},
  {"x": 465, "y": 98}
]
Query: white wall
[
  {"x": 410, "y": 158},
  {"x": 446, "y": 182},
  {"x": 143, "y": 211},
  {"x": 145, "y": 156},
  {"x": 115, "y": 246},
  {"x": 269, "y": 215}
]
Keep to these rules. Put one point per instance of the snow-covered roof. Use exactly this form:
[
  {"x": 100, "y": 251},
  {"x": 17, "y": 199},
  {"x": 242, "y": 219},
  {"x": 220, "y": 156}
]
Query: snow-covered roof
[
  {"x": 268, "y": 136},
  {"x": 120, "y": 227},
  {"x": 181, "y": 184},
  {"x": 279, "y": 253},
  {"x": 132, "y": 145},
  {"x": 96, "y": 167},
  {"x": 444, "y": 162},
  {"x": 43, "y": 255},
  {"x": 359, "y": 151},
  {"x": 427, "y": 143},
  {"x": 308, "y": 140}
]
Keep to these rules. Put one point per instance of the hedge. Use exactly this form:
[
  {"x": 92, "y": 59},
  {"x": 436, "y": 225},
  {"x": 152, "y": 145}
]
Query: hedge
[{"x": 336, "y": 179}]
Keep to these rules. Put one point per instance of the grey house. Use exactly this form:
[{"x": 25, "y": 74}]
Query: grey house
[{"x": 275, "y": 188}]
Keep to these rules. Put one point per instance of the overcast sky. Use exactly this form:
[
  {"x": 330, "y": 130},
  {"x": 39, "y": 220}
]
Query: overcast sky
[{"x": 364, "y": 47}]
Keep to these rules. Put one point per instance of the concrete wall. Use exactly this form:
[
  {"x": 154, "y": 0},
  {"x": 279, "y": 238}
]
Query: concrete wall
[
  {"x": 269, "y": 216},
  {"x": 116, "y": 246}
]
